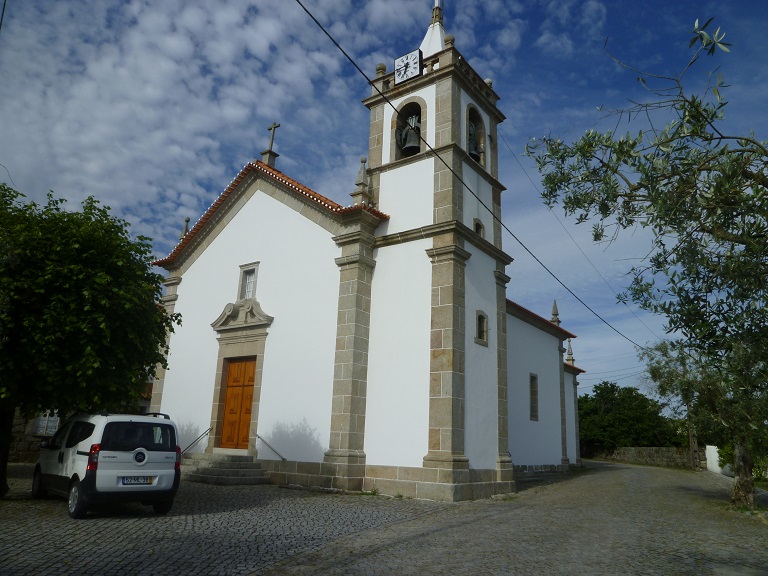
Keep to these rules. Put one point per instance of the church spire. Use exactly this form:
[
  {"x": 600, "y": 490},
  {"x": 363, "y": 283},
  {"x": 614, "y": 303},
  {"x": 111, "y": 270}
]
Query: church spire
[
  {"x": 437, "y": 12},
  {"x": 555, "y": 314},
  {"x": 434, "y": 41}
]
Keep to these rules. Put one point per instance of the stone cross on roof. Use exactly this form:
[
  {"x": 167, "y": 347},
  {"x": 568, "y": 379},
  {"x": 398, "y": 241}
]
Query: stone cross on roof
[{"x": 269, "y": 156}]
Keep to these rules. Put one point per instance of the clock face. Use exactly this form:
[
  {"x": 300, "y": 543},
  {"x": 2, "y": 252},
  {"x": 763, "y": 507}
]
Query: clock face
[{"x": 408, "y": 66}]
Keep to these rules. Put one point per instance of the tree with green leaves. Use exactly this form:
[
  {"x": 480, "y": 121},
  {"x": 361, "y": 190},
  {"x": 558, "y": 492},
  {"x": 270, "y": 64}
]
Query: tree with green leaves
[
  {"x": 616, "y": 417},
  {"x": 683, "y": 377},
  {"x": 81, "y": 325},
  {"x": 701, "y": 192}
]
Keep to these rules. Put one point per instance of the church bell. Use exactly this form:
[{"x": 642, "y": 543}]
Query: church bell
[
  {"x": 410, "y": 141},
  {"x": 472, "y": 148}
]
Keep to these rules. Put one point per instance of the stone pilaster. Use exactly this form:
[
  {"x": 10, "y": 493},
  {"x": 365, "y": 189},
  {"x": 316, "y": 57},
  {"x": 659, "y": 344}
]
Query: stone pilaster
[
  {"x": 564, "y": 463},
  {"x": 350, "y": 379},
  {"x": 168, "y": 302},
  {"x": 447, "y": 378},
  {"x": 376, "y": 141},
  {"x": 504, "y": 467},
  {"x": 576, "y": 420}
]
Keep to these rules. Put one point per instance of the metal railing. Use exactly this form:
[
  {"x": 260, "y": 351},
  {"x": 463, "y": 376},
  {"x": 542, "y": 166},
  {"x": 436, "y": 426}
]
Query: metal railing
[
  {"x": 196, "y": 440},
  {"x": 268, "y": 445}
]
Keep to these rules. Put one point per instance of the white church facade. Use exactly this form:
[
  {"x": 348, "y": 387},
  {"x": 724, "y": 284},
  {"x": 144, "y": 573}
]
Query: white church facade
[{"x": 372, "y": 346}]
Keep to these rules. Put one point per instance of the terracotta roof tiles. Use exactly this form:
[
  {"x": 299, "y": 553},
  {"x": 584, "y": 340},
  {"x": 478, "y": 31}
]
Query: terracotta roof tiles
[{"x": 273, "y": 173}]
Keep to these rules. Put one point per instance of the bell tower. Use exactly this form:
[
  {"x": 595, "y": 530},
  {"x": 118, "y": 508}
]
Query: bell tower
[
  {"x": 433, "y": 167},
  {"x": 434, "y": 108}
]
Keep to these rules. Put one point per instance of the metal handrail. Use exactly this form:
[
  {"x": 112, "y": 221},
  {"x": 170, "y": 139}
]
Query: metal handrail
[
  {"x": 197, "y": 440},
  {"x": 268, "y": 446}
]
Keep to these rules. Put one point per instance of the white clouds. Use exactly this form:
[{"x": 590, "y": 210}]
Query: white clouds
[
  {"x": 154, "y": 105},
  {"x": 554, "y": 44},
  {"x": 592, "y": 18},
  {"x": 570, "y": 23},
  {"x": 511, "y": 35}
]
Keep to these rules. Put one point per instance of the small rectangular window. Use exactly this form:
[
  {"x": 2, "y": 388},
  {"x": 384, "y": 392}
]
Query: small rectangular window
[
  {"x": 248, "y": 280},
  {"x": 534, "y": 391},
  {"x": 481, "y": 328}
]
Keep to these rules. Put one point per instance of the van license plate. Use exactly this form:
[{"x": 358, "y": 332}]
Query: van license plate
[{"x": 137, "y": 480}]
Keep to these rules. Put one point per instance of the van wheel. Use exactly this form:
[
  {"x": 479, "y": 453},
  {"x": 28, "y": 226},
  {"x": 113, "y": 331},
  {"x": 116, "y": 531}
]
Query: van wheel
[
  {"x": 162, "y": 507},
  {"x": 76, "y": 505},
  {"x": 38, "y": 488}
]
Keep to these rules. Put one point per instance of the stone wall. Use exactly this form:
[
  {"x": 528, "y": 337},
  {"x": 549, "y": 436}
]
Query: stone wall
[
  {"x": 669, "y": 457},
  {"x": 24, "y": 444}
]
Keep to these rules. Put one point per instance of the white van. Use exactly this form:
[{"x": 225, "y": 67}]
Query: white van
[{"x": 95, "y": 459}]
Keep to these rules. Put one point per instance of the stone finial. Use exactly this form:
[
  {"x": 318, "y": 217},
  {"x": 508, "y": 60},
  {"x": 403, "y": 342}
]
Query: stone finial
[
  {"x": 437, "y": 13},
  {"x": 555, "y": 314},
  {"x": 489, "y": 82},
  {"x": 449, "y": 40},
  {"x": 381, "y": 69},
  {"x": 569, "y": 358},
  {"x": 361, "y": 194},
  {"x": 186, "y": 228}
]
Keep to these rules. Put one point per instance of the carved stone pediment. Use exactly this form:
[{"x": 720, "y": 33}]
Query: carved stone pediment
[{"x": 243, "y": 314}]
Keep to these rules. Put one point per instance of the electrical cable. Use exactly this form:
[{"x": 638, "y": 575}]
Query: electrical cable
[
  {"x": 613, "y": 291},
  {"x": 2, "y": 15},
  {"x": 464, "y": 184}
]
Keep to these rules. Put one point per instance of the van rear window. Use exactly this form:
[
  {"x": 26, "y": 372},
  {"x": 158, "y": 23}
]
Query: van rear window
[{"x": 127, "y": 436}]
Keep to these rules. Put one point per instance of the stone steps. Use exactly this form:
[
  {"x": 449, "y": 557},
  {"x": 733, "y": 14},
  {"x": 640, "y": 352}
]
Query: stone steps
[{"x": 222, "y": 470}]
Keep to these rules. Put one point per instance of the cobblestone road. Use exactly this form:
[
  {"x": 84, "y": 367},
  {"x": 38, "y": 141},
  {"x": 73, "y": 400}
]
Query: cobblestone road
[{"x": 611, "y": 519}]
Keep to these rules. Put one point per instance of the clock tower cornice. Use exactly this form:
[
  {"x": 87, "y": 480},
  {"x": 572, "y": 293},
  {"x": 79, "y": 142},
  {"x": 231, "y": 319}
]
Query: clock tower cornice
[
  {"x": 446, "y": 64},
  {"x": 440, "y": 151}
]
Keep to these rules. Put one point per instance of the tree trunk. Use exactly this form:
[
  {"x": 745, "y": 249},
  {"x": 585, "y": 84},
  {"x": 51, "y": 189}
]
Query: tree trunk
[
  {"x": 744, "y": 489},
  {"x": 6, "y": 431}
]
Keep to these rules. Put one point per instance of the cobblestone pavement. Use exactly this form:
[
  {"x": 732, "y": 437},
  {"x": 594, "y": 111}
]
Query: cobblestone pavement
[{"x": 610, "y": 519}]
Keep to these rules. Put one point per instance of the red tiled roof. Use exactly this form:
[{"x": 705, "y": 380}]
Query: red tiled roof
[
  {"x": 573, "y": 369},
  {"x": 273, "y": 173},
  {"x": 539, "y": 321}
]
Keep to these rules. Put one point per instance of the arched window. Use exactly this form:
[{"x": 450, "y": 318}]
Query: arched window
[
  {"x": 408, "y": 133},
  {"x": 475, "y": 136},
  {"x": 479, "y": 228}
]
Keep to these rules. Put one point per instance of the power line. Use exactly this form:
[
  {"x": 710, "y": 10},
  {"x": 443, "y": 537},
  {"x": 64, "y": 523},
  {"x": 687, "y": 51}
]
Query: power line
[
  {"x": 536, "y": 188},
  {"x": 591, "y": 373},
  {"x": 464, "y": 184},
  {"x": 638, "y": 373},
  {"x": 9, "y": 175},
  {"x": 2, "y": 15}
]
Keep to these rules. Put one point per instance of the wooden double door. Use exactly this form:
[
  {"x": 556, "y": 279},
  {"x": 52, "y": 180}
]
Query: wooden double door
[{"x": 238, "y": 403}]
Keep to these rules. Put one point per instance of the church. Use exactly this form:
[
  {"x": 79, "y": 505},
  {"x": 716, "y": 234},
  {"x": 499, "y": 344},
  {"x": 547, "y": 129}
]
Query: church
[{"x": 372, "y": 346}]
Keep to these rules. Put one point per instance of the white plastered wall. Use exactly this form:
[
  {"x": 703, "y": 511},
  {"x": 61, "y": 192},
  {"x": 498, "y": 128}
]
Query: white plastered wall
[
  {"x": 474, "y": 208},
  {"x": 530, "y": 350},
  {"x": 405, "y": 194},
  {"x": 570, "y": 417},
  {"x": 297, "y": 284},
  {"x": 481, "y": 371},
  {"x": 397, "y": 408}
]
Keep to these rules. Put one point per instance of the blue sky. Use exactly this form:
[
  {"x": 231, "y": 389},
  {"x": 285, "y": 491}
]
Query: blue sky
[{"x": 153, "y": 106}]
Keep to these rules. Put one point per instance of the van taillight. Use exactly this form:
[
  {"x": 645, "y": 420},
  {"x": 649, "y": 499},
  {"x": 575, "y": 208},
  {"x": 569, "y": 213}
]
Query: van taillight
[
  {"x": 178, "y": 458},
  {"x": 93, "y": 457}
]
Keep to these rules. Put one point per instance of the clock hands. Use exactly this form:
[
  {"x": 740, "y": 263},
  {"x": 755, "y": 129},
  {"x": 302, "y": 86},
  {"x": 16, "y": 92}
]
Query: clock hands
[{"x": 408, "y": 66}]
